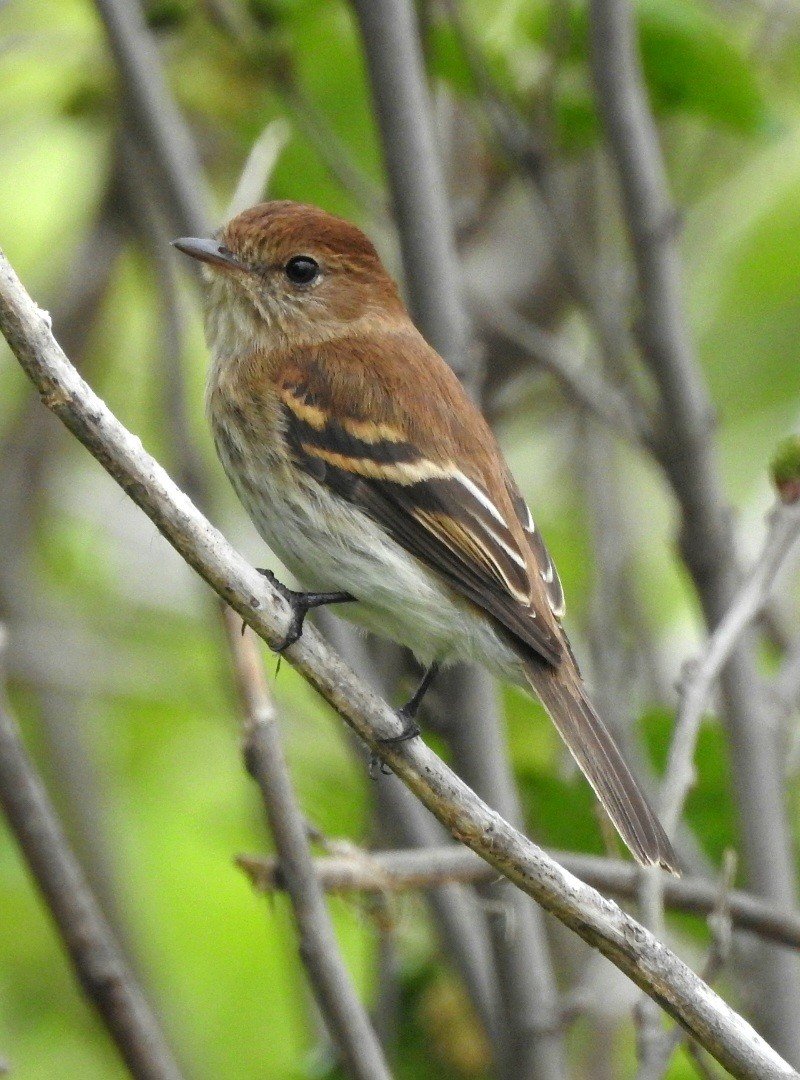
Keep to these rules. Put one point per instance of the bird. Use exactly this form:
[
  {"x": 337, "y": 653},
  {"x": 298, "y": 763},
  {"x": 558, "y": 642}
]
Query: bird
[{"x": 367, "y": 469}]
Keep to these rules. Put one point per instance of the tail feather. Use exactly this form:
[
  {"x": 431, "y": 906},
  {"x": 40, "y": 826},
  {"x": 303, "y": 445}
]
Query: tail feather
[{"x": 590, "y": 743}]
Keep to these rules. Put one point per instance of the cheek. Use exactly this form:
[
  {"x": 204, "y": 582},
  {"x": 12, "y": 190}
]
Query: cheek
[{"x": 285, "y": 311}]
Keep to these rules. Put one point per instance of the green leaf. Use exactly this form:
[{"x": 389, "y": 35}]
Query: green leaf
[
  {"x": 692, "y": 64},
  {"x": 446, "y": 59}
]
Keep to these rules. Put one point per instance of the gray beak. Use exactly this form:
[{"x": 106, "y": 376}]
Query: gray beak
[{"x": 207, "y": 251}]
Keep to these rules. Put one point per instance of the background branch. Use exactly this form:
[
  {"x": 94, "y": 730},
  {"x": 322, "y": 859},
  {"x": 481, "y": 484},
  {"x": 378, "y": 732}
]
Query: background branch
[
  {"x": 528, "y": 1043},
  {"x": 100, "y": 967},
  {"x": 419, "y": 199},
  {"x": 753, "y": 594},
  {"x": 156, "y": 120},
  {"x": 688, "y": 455},
  {"x": 347, "y": 869},
  {"x": 344, "y": 1014}
]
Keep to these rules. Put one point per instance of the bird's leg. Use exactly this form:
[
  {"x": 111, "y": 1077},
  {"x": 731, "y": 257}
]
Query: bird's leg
[
  {"x": 301, "y": 603},
  {"x": 409, "y": 711}
]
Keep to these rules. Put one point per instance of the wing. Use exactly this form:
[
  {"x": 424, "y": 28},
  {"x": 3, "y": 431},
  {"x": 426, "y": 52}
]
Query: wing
[{"x": 430, "y": 507}]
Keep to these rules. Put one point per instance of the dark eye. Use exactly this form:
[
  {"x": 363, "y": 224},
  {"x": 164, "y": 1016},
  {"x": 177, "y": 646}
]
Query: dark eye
[{"x": 301, "y": 270}]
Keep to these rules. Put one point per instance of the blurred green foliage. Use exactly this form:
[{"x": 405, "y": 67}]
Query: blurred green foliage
[{"x": 139, "y": 661}]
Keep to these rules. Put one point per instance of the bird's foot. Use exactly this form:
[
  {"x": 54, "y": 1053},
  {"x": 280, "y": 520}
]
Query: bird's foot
[
  {"x": 410, "y": 729},
  {"x": 301, "y": 603},
  {"x": 377, "y": 766},
  {"x": 409, "y": 711}
]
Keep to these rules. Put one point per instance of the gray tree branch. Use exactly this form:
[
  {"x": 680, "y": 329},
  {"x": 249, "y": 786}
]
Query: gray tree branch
[
  {"x": 155, "y": 116},
  {"x": 349, "y": 869},
  {"x": 753, "y": 594},
  {"x": 399, "y": 88}
]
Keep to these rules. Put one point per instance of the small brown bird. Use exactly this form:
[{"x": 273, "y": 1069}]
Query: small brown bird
[{"x": 370, "y": 473}]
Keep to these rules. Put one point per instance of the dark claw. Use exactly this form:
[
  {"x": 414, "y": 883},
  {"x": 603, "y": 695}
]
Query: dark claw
[
  {"x": 409, "y": 711},
  {"x": 299, "y": 612},
  {"x": 377, "y": 767},
  {"x": 301, "y": 603},
  {"x": 410, "y": 730}
]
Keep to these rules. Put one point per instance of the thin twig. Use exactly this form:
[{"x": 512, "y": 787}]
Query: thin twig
[
  {"x": 721, "y": 920},
  {"x": 343, "y": 1011},
  {"x": 652, "y": 966},
  {"x": 585, "y": 386},
  {"x": 782, "y": 535},
  {"x": 99, "y": 964},
  {"x": 259, "y": 166},
  {"x": 398, "y": 871}
]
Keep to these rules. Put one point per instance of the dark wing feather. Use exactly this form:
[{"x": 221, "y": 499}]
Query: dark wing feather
[
  {"x": 541, "y": 556},
  {"x": 434, "y": 512}
]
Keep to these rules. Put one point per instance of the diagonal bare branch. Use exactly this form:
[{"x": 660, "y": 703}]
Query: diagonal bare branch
[{"x": 753, "y": 594}]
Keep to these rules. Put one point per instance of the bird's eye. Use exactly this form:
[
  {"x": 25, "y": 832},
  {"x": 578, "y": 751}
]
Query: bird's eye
[{"x": 301, "y": 269}]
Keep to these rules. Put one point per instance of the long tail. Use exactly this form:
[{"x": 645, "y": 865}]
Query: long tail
[{"x": 590, "y": 743}]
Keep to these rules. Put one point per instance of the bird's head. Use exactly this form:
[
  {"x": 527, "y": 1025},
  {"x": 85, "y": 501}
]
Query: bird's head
[{"x": 286, "y": 273}]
